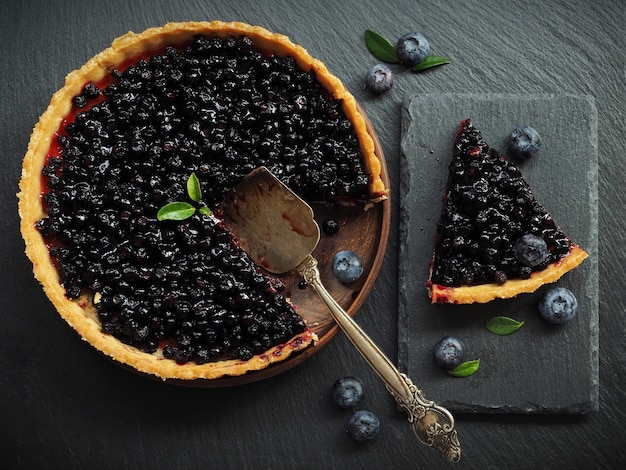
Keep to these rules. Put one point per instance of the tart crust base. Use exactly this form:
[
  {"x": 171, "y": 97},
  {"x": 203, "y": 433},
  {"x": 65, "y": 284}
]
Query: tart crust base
[
  {"x": 81, "y": 313},
  {"x": 487, "y": 292}
]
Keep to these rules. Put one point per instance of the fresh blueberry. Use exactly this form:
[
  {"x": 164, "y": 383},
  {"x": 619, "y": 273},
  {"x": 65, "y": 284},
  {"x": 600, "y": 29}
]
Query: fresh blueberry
[
  {"x": 558, "y": 305},
  {"x": 347, "y": 266},
  {"x": 530, "y": 250},
  {"x": 449, "y": 352},
  {"x": 524, "y": 142},
  {"x": 330, "y": 226},
  {"x": 412, "y": 48},
  {"x": 348, "y": 391},
  {"x": 363, "y": 425},
  {"x": 379, "y": 78}
]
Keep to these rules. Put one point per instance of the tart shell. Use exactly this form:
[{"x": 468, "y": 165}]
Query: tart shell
[
  {"x": 484, "y": 293},
  {"x": 81, "y": 314}
]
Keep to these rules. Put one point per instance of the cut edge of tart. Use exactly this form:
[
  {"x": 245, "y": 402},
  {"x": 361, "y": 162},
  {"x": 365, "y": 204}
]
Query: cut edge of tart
[
  {"x": 471, "y": 165},
  {"x": 81, "y": 313},
  {"x": 484, "y": 293}
]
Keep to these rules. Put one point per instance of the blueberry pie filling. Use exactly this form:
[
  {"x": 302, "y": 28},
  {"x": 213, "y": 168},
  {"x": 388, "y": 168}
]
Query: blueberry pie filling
[
  {"x": 215, "y": 104},
  {"x": 494, "y": 239}
]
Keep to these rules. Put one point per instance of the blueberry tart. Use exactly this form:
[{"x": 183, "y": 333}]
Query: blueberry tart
[
  {"x": 179, "y": 299},
  {"x": 493, "y": 239}
]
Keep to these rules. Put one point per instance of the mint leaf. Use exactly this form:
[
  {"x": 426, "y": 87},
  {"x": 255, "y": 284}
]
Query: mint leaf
[
  {"x": 429, "y": 62},
  {"x": 176, "y": 211},
  {"x": 503, "y": 325},
  {"x": 204, "y": 210},
  {"x": 465, "y": 369},
  {"x": 193, "y": 188},
  {"x": 184, "y": 210},
  {"x": 380, "y": 47}
]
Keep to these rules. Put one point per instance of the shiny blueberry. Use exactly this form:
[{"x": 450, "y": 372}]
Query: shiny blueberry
[
  {"x": 363, "y": 425},
  {"x": 330, "y": 226},
  {"x": 348, "y": 391},
  {"x": 524, "y": 142},
  {"x": 558, "y": 305},
  {"x": 379, "y": 78},
  {"x": 412, "y": 48},
  {"x": 530, "y": 250},
  {"x": 449, "y": 352},
  {"x": 347, "y": 266}
]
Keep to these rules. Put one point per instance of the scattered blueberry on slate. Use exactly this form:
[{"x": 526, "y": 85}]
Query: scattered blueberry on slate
[
  {"x": 348, "y": 391},
  {"x": 363, "y": 425},
  {"x": 347, "y": 266},
  {"x": 524, "y": 142},
  {"x": 379, "y": 78},
  {"x": 412, "y": 48},
  {"x": 558, "y": 305},
  {"x": 530, "y": 250},
  {"x": 449, "y": 352}
]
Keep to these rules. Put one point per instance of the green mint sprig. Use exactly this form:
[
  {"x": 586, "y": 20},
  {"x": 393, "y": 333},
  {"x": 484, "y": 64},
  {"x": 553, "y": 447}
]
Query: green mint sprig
[
  {"x": 184, "y": 210},
  {"x": 384, "y": 50}
]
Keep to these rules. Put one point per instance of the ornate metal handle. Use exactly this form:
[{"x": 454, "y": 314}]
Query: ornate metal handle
[{"x": 432, "y": 424}]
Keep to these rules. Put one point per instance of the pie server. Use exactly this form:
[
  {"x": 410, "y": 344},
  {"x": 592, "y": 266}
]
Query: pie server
[{"x": 279, "y": 232}]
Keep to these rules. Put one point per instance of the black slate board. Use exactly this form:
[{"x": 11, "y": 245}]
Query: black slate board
[{"x": 541, "y": 368}]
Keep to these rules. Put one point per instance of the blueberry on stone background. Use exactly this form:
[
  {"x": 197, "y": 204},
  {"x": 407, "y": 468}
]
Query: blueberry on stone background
[
  {"x": 363, "y": 425},
  {"x": 449, "y": 352},
  {"x": 523, "y": 143},
  {"x": 379, "y": 78},
  {"x": 412, "y": 48},
  {"x": 558, "y": 305},
  {"x": 348, "y": 391}
]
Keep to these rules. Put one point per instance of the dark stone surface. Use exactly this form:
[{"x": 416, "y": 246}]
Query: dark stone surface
[
  {"x": 64, "y": 406},
  {"x": 540, "y": 368}
]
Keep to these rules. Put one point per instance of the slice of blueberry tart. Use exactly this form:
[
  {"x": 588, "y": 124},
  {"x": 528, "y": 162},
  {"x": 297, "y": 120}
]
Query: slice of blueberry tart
[
  {"x": 493, "y": 239},
  {"x": 203, "y": 102}
]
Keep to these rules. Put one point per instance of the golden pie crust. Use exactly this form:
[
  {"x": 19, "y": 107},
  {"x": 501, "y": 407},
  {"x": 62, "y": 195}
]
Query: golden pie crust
[
  {"x": 487, "y": 292},
  {"x": 81, "y": 313}
]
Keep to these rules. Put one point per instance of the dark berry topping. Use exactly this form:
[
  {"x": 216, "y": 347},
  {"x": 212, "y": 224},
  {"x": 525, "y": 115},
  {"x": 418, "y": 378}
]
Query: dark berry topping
[
  {"x": 530, "y": 250},
  {"x": 487, "y": 209},
  {"x": 218, "y": 108}
]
